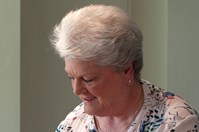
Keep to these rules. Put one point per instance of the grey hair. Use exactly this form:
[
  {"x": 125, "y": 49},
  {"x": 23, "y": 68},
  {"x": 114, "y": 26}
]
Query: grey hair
[{"x": 104, "y": 34}]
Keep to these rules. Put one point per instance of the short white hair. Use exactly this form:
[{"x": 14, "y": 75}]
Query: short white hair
[{"x": 104, "y": 34}]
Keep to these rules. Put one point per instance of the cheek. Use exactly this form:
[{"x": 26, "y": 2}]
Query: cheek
[
  {"x": 106, "y": 87},
  {"x": 103, "y": 90},
  {"x": 96, "y": 89}
]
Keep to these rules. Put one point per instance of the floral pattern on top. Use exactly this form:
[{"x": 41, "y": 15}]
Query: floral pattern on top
[{"x": 162, "y": 111}]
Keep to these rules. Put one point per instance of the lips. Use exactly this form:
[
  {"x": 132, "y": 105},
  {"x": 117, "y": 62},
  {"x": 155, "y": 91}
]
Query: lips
[{"x": 87, "y": 99}]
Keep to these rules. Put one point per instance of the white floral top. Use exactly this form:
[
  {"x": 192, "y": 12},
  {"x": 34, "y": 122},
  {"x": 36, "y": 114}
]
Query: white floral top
[{"x": 162, "y": 111}]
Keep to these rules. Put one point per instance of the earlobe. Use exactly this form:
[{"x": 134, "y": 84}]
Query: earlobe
[{"x": 129, "y": 82}]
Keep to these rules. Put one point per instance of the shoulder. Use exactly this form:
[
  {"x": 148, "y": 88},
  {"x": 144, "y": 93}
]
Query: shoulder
[
  {"x": 167, "y": 111},
  {"x": 74, "y": 119},
  {"x": 180, "y": 116}
]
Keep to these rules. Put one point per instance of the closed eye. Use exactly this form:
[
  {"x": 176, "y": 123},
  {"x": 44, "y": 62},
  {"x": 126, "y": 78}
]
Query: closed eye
[
  {"x": 71, "y": 78},
  {"x": 87, "y": 80}
]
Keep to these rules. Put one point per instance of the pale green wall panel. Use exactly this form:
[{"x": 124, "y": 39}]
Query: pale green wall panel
[
  {"x": 9, "y": 65},
  {"x": 183, "y": 45},
  {"x": 151, "y": 16}
]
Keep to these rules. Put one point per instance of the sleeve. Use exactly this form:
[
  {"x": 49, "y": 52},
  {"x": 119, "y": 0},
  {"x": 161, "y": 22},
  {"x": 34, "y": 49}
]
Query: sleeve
[
  {"x": 189, "y": 124},
  {"x": 180, "y": 117}
]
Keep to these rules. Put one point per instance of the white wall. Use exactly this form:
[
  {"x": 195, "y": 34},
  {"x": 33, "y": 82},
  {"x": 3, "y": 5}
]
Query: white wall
[{"x": 9, "y": 65}]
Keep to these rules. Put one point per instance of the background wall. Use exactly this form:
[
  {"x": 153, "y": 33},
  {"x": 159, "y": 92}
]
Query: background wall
[
  {"x": 170, "y": 57},
  {"x": 9, "y": 65},
  {"x": 152, "y": 17},
  {"x": 183, "y": 49},
  {"x": 171, "y": 44},
  {"x": 46, "y": 93}
]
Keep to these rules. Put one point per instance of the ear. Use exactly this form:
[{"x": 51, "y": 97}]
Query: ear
[{"x": 129, "y": 74}]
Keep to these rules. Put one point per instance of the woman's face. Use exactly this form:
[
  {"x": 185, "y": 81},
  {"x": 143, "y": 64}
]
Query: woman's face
[{"x": 100, "y": 88}]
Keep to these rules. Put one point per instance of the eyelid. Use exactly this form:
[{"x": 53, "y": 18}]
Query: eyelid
[
  {"x": 70, "y": 77},
  {"x": 87, "y": 80}
]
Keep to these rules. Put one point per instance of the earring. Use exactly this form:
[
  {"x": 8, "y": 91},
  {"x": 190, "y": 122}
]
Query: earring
[{"x": 129, "y": 81}]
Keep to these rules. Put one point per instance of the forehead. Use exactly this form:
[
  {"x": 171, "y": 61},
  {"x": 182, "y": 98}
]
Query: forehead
[{"x": 81, "y": 67}]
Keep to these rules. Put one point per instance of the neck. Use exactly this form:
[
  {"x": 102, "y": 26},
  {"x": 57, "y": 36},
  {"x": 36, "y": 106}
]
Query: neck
[{"x": 128, "y": 112}]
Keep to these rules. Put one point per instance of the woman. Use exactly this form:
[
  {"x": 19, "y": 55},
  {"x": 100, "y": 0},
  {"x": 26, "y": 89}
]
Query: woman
[{"x": 102, "y": 50}]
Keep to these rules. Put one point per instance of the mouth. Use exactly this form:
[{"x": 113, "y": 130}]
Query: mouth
[{"x": 87, "y": 99}]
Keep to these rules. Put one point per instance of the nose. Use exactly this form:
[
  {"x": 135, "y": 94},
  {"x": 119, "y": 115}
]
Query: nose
[{"x": 78, "y": 87}]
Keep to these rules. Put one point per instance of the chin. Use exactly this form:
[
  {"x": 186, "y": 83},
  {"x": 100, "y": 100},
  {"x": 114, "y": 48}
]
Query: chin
[
  {"x": 92, "y": 110},
  {"x": 89, "y": 110}
]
